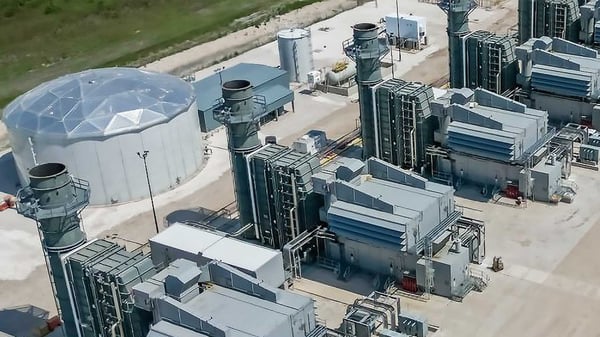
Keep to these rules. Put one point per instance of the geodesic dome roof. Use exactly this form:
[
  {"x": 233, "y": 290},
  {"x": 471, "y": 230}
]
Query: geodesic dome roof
[{"x": 98, "y": 103}]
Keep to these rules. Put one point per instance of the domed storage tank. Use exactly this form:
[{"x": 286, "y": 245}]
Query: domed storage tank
[
  {"x": 96, "y": 121},
  {"x": 295, "y": 53}
]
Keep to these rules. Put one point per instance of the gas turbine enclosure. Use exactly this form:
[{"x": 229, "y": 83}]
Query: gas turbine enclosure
[{"x": 97, "y": 120}]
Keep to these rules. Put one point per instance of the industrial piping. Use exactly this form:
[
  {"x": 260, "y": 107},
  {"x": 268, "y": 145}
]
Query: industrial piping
[{"x": 54, "y": 200}]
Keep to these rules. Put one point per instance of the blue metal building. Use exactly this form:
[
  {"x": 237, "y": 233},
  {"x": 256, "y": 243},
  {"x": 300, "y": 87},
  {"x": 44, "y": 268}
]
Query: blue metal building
[{"x": 271, "y": 87}]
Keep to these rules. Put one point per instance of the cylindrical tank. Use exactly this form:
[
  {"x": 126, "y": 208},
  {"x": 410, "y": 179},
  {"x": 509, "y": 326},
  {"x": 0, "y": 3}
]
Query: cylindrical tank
[
  {"x": 295, "y": 53},
  {"x": 340, "y": 77},
  {"x": 242, "y": 127},
  {"x": 95, "y": 121}
]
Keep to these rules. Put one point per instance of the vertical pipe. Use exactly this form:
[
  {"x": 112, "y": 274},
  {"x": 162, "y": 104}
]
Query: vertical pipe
[
  {"x": 295, "y": 225},
  {"x": 70, "y": 295},
  {"x": 252, "y": 191},
  {"x": 465, "y": 65},
  {"x": 375, "y": 119}
]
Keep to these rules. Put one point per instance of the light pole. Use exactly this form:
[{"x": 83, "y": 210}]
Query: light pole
[
  {"x": 398, "y": 32},
  {"x": 143, "y": 157},
  {"x": 391, "y": 38}
]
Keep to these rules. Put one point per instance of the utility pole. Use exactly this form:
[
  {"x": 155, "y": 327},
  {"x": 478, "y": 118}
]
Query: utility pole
[
  {"x": 391, "y": 37},
  {"x": 143, "y": 157},
  {"x": 398, "y": 32}
]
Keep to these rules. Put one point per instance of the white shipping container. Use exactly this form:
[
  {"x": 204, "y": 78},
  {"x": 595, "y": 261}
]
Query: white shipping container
[{"x": 406, "y": 26}]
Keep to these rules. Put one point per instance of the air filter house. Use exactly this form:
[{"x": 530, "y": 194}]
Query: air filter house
[{"x": 96, "y": 122}]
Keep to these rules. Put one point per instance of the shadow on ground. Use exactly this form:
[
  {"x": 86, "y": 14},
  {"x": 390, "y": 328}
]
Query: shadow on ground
[
  {"x": 473, "y": 192},
  {"x": 359, "y": 283},
  {"x": 9, "y": 180},
  {"x": 22, "y": 321}
]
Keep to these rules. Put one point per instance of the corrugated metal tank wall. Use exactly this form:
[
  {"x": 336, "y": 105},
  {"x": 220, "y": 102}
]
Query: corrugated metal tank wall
[
  {"x": 111, "y": 165},
  {"x": 295, "y": 53}
]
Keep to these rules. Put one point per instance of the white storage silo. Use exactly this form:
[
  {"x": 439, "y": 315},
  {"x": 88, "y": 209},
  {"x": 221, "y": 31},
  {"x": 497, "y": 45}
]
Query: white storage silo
[
  {"x": 96, "y": 121},
  {"x": 295, "y": 53}
]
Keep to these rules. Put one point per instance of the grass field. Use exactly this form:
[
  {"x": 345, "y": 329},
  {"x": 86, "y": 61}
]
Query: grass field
[{"x": 42, "y": 39}]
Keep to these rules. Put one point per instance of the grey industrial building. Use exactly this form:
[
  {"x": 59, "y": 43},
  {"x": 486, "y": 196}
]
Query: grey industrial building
[
  {"x": 498, "y": 144},
  {"x": 272, "y": 183},
  {"x": 490, "y": 62},
  {"x": 396, "y": 225},
  {"x": 218, "y": 300},
  {"x": 181, "y": 241},
  {"x": 403, "y": 124},
  {"x": 469, "y": 136},
  {"x": 271, "y": 87},
  {"x": 562, "y": 78},
  {"x": 191, "y": 283}
]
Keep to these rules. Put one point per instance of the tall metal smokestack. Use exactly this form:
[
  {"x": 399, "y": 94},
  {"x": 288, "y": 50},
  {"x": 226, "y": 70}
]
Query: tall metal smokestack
[
  {"x": 55, "y": 200},
  {"x": 237, "y": 114},
  {"x": 458, "y": 26},
  {"x": 366, "y": 50}
]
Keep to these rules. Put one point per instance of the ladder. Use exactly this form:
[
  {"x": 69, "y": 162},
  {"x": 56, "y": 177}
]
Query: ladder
[
  {"x": 407, "y": 132},
  {"x": 560, "y": 21},
  {"x": 429, "y": 271},
  {"x": 494, "y": 65}
]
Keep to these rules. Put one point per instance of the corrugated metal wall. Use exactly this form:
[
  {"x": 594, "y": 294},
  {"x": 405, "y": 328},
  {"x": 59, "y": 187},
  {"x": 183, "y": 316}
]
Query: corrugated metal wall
[
  {"x": 491, "y": 62},
  {"x": 282, "y": 176},
  {"x": 397, "y": 101}
]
